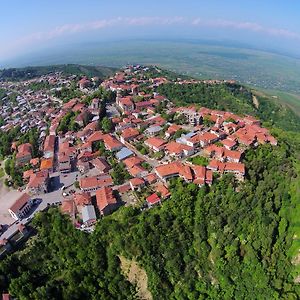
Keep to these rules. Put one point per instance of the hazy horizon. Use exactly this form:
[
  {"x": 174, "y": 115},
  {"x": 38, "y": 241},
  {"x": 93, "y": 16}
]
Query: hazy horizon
[{"x": 33, "y": 27}]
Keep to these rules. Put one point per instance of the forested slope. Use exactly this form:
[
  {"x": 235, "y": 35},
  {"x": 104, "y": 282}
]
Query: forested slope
[{"x": 235, "y": 98}]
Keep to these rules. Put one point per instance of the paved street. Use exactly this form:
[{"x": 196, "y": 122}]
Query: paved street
[{"x": 53, "y": 198}]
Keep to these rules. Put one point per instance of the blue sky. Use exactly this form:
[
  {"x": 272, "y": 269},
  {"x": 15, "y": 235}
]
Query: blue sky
[{"x": 31, "y": 25}]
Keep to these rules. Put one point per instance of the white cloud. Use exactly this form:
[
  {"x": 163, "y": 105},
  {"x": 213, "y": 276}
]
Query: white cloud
[{"x": 69, "y": 29}]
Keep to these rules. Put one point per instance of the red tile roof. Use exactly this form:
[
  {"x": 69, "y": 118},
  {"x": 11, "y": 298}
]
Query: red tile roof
[
  {"x": 153, "y": 199},
  {"x": 129, "y": 133},
  {"x": 132, "y": 161},
  {"x": 155, "y": 142},
  {"x": 49, "y": 143},
  {"x": 136, "y": 170},
  {"x": 175, "y": 169},
  {"x": 161, "y": 188},
  {"x": 20, "y": 202},
  {"x": 81, "y": 199},
  {"x": 111, "y": 142},
  {"x": 68, "y": 207},
  {"x": 105, "y": 197},
  {"x": 37, "y": 179},
  {"x": 137, "y": 181},
  {"x": 176, "y": 148},
  {"x": 124, "y": 188},
  {"x": 96, "y": 136},
  {"x": 95, "y": 182},
  {"x": 24, "y": 149},
  {"x": 151, "y": 178},
  {"x": 46, "y": 163}
]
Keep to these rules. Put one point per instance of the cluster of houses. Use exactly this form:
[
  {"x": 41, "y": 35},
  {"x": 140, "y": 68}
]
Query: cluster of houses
[
  {"x": 82, "y": 206},
  {"x": 30, "y": 104},
  {"x": 150, "y": 147}
]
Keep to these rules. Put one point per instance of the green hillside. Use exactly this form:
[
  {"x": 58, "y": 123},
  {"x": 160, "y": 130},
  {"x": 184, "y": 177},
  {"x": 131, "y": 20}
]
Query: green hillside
[
  {"x": 235, "y": 98},
  {"x": 68, "y": 69},
  {"x": 290, "y": 99}
]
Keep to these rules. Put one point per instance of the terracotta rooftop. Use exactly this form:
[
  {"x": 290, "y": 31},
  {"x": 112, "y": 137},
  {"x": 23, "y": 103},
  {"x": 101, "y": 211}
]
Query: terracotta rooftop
[
  {"x": 46, "y": 163},
  {"x": 81, "y": 199},
  {"x": 20, "y": 202},
  {"x": 155, "y": 142},
  {"x": 129, "y": 133},
  {"x": 153, "y": 199},
  {"x": 95, "y": 182},
  {"x": 137, "y": 181},
  {"x": 132, "y": 161},
  {"x": 105, "y": 197}
]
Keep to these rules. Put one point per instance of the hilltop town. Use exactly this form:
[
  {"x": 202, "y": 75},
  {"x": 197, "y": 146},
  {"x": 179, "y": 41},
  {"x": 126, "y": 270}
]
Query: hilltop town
[{"x": 119, "y": 142}]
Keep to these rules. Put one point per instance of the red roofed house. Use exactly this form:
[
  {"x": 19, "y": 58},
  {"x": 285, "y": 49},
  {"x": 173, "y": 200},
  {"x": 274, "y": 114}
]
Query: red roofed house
[
  {"x": 143, "y": 105},
  {"x": 68, "y": 207},
  {"x": 47, "y": 164},
  {"x": 38, "y": 182},
  {"x": 175, "y": 169},
  {"x": 24, "y": 154},
  {"x": 172, "y": 130},
  {"x": 100, "y": 164},
  {"x": 132, "y": 161},
  {"x": 70, "y": 104},
  {"x": 162, "y": 190},
  {"x": 236, "y": 168},
  {"x": 96, "y": 137},
  {"x": 84, "y": 83},
  {"x": 136, "y": 183},
  {"x": 202, "y": 175},
  {"x": 151, "y": 178},
  {"x": 21, "y": 207},
  {"x": 153, "y": 200},
  {"x": 178, "y": 150},
  {"x": 129, "y": 134},
  {"x": 49, "y": 146},
  {"x": 138, "y": 171},
  {"x": 106, "y": 201},
  {"x": 82, "y": 199},
  {"x": 126, "y": 104},
  {"x": 156, "y": 144},
  {"x": 94, "y": 183},
  {"x": 111, "y": 143},
  {"x": 232, "y": 156},
  {"x": 27, "y": 174},
  {"x": 229, "y": 144},
  {"x": 64, "y": 163}
]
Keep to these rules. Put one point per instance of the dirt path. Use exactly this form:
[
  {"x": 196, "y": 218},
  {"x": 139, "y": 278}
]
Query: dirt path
[
  {"x": 137, "y": 276},
  {"x": 255, "y": 101}
]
